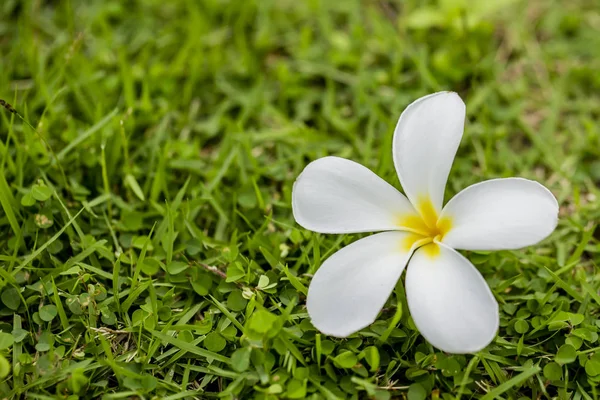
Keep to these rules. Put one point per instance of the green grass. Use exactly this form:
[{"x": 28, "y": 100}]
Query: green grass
[{"x": 165, "y": 262}]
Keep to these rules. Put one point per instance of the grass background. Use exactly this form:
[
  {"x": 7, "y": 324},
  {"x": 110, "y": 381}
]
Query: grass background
[{"x": 163, "y": 260}]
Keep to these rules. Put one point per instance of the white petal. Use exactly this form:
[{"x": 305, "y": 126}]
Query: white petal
[
  {"x": 500, "y": 214},
  {"x": 351, "y": 287},
  {"x": 425, "y": 143},
  {"x": 449, "y": 300},
  {"x": 335, "y": 195}
]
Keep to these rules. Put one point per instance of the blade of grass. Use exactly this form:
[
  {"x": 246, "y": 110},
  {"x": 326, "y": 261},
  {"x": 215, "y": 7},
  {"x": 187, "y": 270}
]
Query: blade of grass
[
  {"x": 565, "y": 286},
  {"x": 87, "y": 134},
  {"x": 512, "y": 382},
  {"x": 190, "y": 348},
  {"x": 7, "y": 201},
  {"x": 36, "y": 253}
]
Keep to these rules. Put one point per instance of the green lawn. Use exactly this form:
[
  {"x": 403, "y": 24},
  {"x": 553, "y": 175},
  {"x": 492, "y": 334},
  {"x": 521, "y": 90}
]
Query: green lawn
[{"x": 147, "y": 244}]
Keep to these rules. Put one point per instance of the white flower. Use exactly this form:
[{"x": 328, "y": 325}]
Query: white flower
[{"x": 449, "y": 300}]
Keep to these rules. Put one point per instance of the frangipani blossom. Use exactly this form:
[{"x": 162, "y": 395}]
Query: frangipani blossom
[{"x": 449, "y": 300}]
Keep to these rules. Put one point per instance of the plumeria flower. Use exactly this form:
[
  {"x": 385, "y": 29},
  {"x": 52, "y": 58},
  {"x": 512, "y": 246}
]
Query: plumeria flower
[{"x": 449, "y": 300}]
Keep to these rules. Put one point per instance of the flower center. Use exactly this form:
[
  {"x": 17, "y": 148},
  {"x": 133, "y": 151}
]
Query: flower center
[{"x": 427, "y": 228}]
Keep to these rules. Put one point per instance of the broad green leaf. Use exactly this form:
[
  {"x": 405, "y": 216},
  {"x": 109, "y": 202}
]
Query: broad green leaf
[
  {"x": 177, "y": 267},
  {"x": 48, "y": 312},
  {"x": 214, "y": 342},
  {"x": 416, "y": 392},
  {"x": 553, "y": 371},
  {"x": 371, "y": 355},
  {"x": 240, "y": 359},
  {"x": 521, "y": 326},
  {"x": 10, "y": 297},
  {"x": 6, "y": 340},
  {"x": 296, "y": 389},
  {"x": 261, "y": 321},
  {"x": 4, "y": 367},
  {"x": 346, "y": 359},
  {"x": 41, "y": 193},
  {"x": 27, "y": 200},
  {"x": 566, "y": 354},
  {"x": 592, "y": 367},
  {"x": 236, "y": 301}
]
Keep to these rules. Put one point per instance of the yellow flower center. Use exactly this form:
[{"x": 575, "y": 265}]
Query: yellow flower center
[{"x": 426, "y": 228}]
